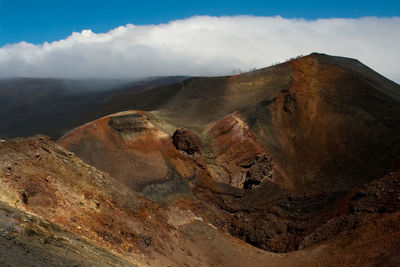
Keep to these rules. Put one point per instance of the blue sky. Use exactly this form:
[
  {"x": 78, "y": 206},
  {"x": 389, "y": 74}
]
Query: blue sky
[
  {"x": 131, "y": 39},
  {"x": 49, "y": 20}
]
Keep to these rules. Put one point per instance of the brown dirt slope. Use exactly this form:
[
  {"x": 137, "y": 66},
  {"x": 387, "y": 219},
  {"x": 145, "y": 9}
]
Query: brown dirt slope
[
  {"x": 27, "y": 239},
  {"x": 44, "y": 180},
  {"x": 357, "y": 228}
]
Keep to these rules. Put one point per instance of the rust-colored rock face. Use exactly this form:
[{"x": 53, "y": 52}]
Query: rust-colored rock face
[
  {"x": 293, "y": 165},
  {"x": 239, "y": 153}
]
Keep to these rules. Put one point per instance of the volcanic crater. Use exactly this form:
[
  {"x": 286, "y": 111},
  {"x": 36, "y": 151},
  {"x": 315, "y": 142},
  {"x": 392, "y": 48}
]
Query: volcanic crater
[{"x": 297, "y": 164}]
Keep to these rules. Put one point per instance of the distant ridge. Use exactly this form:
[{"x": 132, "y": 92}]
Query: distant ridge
[{"x": 30, "y": 106}]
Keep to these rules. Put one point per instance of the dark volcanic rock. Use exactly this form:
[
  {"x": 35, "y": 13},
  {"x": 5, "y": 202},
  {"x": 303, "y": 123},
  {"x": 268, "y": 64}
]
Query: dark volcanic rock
[
  {"x": 186, "y": 141},
  {"x": 261, "y": 169}
]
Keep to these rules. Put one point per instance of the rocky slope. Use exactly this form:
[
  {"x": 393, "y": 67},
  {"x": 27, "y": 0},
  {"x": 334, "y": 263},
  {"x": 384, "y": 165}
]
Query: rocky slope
[{"x": 93, "y": 220}]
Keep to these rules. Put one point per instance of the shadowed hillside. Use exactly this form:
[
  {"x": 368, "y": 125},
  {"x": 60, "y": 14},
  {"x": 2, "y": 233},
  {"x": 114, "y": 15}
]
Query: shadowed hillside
[{"x": 54, "y": 106}]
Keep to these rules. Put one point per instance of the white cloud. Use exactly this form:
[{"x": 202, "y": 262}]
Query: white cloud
[{"x": 206, "y": 46}]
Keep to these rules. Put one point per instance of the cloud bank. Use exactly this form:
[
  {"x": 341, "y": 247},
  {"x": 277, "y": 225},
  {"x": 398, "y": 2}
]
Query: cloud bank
[{"x": 206, "y": 46}]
